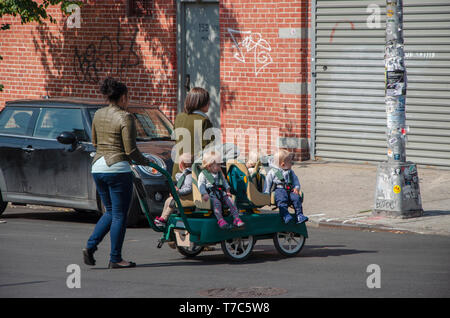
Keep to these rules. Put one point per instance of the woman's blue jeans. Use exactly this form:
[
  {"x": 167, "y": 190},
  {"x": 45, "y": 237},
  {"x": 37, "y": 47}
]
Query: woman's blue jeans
[{"x": 115, "y": 190}]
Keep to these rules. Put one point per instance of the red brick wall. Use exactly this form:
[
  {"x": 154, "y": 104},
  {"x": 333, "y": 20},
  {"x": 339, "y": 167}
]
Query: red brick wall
[
  {"x": 58, "y": 61},
  {"x": 251, "y": 97}
]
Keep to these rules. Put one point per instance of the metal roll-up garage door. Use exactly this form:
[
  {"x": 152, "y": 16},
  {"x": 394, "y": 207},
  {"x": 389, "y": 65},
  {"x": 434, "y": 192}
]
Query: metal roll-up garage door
[{"x": 349, "y": 109}]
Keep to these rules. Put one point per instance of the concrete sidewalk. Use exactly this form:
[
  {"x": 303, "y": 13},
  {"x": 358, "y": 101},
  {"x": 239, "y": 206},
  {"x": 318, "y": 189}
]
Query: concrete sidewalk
[{"x": 342, "y": 194}]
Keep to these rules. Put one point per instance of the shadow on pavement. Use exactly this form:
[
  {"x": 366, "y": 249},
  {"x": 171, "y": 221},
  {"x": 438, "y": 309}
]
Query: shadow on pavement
[
  {"x": 325, "y": 251},
  {"x": 436, "y": 212},
  {"x": 62, "y": 216},
  {"x": 260, "y": 254},
  {"x": 24, "y": 283}
]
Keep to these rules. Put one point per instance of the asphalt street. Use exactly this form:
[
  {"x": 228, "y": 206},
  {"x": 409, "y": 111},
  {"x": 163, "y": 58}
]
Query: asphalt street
[{"x": 38, "y": 246}]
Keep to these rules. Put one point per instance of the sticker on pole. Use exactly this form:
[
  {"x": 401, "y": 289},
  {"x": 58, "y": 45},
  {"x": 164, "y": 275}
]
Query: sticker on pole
[
  {"x": 395, "y": 83},
  {"x": 397, "y": 189}
]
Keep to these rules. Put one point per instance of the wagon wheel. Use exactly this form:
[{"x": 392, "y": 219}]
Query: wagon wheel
[
  {"x": 239, "y": 248},
  {"x": 288, "y": 243},
  {"x": 190, "y": 251}
]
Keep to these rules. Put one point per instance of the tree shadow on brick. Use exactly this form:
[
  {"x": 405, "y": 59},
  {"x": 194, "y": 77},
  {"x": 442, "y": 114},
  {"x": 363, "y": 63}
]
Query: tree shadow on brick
[
  {"x": 140, "y": 51},
  {"x": 228, "y": 20}
]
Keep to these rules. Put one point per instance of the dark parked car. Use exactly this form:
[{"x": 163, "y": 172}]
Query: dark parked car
[{"x": 46, "y": 154}]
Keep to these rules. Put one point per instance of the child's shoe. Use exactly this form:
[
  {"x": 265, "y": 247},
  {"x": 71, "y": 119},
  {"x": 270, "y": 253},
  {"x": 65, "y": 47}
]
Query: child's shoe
[
  {"x": 223, "y": 224},
  {"x": 160, "y": 222},
  {"x": 287, "y": 218},
  {"x": 238, "y": 222},
  {"x": 301, "y": 219}
]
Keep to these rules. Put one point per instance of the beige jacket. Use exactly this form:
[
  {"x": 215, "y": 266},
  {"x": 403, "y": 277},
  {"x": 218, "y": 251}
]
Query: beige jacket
[{"x": 114, "y": 136}]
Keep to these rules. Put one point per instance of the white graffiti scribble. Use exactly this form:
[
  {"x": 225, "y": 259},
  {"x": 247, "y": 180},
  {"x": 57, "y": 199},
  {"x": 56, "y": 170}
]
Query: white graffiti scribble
[{"x": 252, "y": 42}]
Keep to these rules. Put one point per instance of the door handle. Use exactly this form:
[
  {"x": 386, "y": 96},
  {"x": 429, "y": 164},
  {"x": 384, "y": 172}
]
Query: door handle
[
  {"x": 187, "y": 84},
  {"x": 28, "y": 148}
]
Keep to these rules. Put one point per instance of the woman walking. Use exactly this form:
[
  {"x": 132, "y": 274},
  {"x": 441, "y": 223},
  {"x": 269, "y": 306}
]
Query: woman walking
[{"x": 114, "y": 136}]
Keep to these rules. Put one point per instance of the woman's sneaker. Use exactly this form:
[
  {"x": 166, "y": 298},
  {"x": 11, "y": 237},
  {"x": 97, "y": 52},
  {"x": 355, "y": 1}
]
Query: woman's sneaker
[
  {"x": 223, "y": 224},
  {"x": 160, "y": 222},
  {"x": 238, "y": 222}
]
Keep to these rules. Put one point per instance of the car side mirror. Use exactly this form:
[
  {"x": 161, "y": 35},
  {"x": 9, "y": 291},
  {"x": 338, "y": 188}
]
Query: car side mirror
[{"x": 67, "y": 138}]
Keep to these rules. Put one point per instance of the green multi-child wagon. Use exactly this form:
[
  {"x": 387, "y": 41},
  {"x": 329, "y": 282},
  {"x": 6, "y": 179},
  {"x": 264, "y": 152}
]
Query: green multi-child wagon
[{"x": 194, "y": 226}]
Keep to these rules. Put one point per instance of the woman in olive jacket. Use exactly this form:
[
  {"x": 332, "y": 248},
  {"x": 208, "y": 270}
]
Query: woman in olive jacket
[
  {"x": 114, "y": 136},
  {"x": 195, "y": 122}
]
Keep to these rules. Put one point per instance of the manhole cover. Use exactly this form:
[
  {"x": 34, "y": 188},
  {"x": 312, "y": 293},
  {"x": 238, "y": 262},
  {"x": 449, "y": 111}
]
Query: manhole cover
[{"x": 243, "y": 292}]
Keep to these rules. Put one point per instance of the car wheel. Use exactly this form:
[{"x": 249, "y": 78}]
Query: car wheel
[
  {"x": 100, "y": 206},
  {"x": 3, "y": 205},
  {"x": 135, "y": 214}
]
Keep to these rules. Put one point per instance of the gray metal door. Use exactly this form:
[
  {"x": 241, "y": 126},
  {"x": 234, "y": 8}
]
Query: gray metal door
[
  {"x": 199, "y": 52},
  {"x": 350, "y": 114}
]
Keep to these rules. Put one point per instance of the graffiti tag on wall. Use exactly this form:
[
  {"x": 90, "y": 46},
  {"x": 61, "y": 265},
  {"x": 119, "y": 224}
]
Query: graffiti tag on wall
[
  {"x": 252, "y": 42},
  {"x": 108, "y": 56}
]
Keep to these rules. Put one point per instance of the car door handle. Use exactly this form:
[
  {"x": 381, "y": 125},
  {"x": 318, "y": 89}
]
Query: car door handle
[{"x": 28, "y": 149}]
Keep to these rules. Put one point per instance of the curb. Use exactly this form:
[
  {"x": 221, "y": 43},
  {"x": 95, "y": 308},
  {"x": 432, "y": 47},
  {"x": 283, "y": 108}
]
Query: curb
[
  {"x": 359, "y": 227},
  {"x": 355, "y": 225}
]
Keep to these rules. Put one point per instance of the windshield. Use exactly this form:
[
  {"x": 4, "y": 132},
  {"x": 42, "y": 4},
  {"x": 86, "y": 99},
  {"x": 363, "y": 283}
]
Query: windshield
[{"x": 151, "y": 124}]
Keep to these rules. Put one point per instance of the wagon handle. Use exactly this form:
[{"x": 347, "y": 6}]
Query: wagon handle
[
  {"x": 141, "y": 194},
  {"x": 175, "y": 197}
]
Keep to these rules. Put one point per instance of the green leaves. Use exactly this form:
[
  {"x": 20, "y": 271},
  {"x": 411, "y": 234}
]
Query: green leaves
[{"x": 31, "y": 11}]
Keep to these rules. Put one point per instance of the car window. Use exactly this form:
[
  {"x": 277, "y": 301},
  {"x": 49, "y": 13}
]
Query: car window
[
  {"x": 163, "y": 126},
  {"x": 53, "y": 121},
  {"x": 151, "y": 124},
  {"x": 144, "y": 126},
  {"x": 92, "y": 112},
  {"x": 15, "y": 121}
]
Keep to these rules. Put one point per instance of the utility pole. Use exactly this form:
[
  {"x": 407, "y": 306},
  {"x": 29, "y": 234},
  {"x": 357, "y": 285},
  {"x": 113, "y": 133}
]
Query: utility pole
[{"x": 397, "y": 190}]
